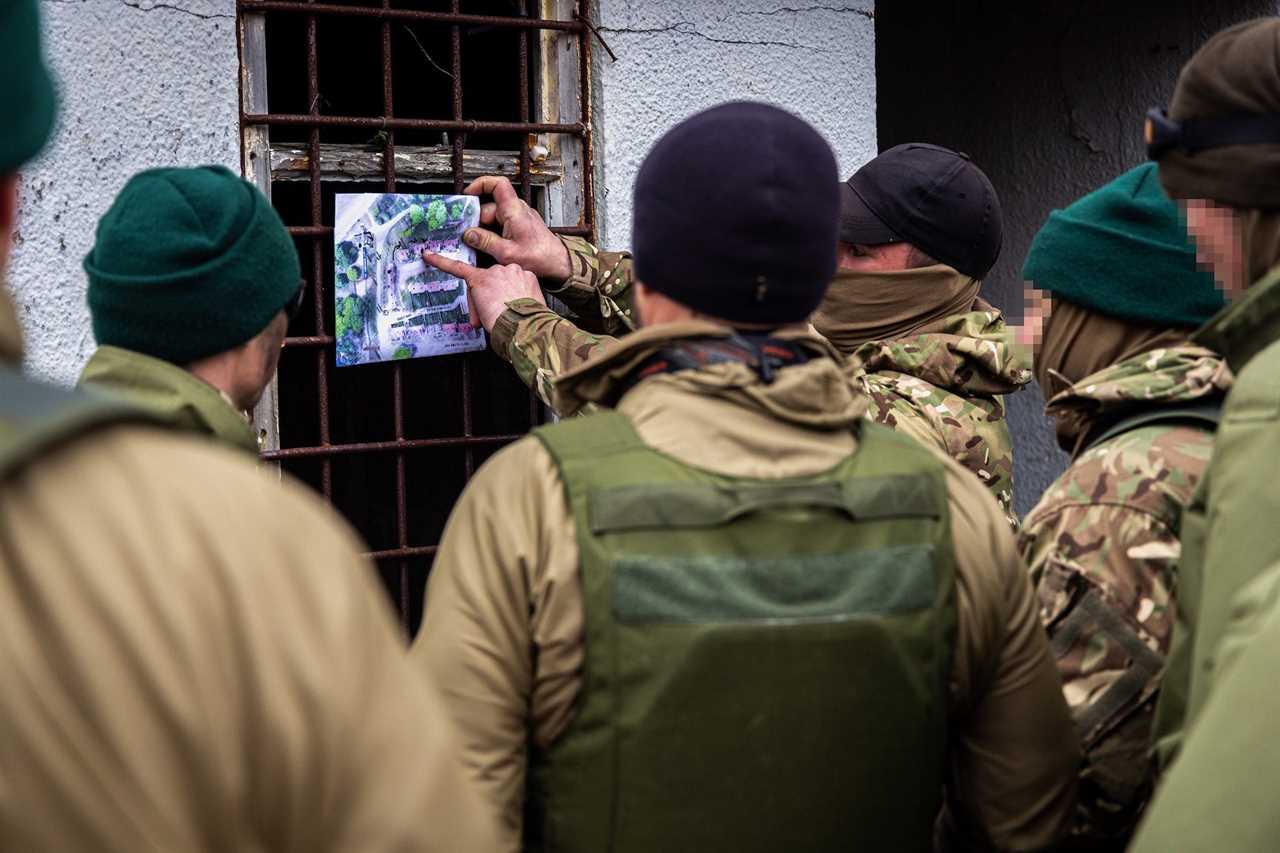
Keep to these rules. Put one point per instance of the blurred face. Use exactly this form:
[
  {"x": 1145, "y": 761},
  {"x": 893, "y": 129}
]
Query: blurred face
[
  {"x": 880, "y": 258},
  {"x": 1215, "y": 230},
  {"x": 1035, "y": 313}
]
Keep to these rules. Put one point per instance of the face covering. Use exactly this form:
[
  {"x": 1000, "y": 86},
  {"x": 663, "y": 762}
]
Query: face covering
[
  {"x": 1076, "y": 343},
  {"x": 881, "y": 306}
]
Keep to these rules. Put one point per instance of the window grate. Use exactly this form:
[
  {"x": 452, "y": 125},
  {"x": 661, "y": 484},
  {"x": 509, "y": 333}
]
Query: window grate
[{"x": 319, "y": 162}]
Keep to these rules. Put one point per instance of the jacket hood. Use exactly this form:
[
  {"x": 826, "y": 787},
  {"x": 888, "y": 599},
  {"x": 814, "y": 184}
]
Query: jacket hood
[
  {"x": 1165, "y": 376},
  {"x": 170, "y": 392},
  {"x": 817, "y": 394},
  {"x": 971, "y": 354}
]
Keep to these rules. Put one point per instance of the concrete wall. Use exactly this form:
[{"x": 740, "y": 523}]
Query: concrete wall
[
  {"x": 675, "y": 58},
  {"x": 143, "y": 84},
  {"x": 1048, "y": 98}
]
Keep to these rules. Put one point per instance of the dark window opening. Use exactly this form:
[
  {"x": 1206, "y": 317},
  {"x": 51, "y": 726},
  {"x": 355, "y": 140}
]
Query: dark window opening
[{"x": 378, "y": 96}]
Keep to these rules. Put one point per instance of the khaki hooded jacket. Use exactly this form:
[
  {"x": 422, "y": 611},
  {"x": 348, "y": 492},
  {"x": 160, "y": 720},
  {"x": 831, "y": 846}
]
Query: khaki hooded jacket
[
  {"x": 502, "y": 636},
  {"x": 194, "y": 657}
]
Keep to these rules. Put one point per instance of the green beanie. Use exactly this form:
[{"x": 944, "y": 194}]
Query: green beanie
[
  {"x": 188, "y": 263},
  {"x": 1122, "y": 251},
  {"x": 29, "y": 100}
]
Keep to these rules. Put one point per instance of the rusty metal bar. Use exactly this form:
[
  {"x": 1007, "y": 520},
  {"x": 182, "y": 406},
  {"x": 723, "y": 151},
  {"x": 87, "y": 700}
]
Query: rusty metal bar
[
  {"x": 588, "y": 153},
  {"x": 384, "y": 13},
  {"x": 402, "y": 553},
  {"x": 317, "y": 255},
  {"x": 397, "y": 370},
  {"x": 526, "y": 185},
  {"x": 459, "y": 145},
  {"x": 310, "y": 341},
  {"x": 330, "y": 450},
  {"x": 456, "y": 124},
  {"x": 574, "y": 230},
  {"x": 311, "y": 230}
]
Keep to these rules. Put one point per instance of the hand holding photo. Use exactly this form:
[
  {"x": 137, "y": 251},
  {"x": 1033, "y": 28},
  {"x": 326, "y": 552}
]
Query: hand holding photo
[{"x": 388, "y": 303}]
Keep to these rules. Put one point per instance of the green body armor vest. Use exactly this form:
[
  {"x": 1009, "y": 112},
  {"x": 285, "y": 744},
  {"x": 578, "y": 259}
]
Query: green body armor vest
[
  {"x": 766, "y": 660},
  {"x": 35, "y": 418}
]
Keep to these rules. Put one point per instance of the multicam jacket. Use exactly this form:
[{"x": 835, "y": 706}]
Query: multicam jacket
[
  {"x": 1100, "y": 546},
  {"x": 944, "y": 388},
  {"x": 941, "y": 388}
]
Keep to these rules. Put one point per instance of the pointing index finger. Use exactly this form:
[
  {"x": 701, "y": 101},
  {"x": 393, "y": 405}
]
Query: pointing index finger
[{"x": 462, "y": 270}]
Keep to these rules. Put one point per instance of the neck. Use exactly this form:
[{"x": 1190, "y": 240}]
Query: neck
[{"x": 218, "y": 371}]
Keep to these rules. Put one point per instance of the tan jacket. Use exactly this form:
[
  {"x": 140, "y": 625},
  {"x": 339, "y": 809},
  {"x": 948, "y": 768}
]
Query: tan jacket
[
  {"x": 502, "y": 638},
  {"x": 193, "y": 657}
]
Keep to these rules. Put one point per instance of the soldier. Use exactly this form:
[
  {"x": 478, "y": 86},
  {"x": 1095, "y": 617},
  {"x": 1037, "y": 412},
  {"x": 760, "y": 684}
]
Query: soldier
[
  {"x": 1217, "y": 149},
  {"x": 1136, "y": 404},
  {"x": 727, "y": 611},
  {"x": 933, "y": 357},
  {"x": 193, "y": 279},
  {"x": 192, "y": 656}
]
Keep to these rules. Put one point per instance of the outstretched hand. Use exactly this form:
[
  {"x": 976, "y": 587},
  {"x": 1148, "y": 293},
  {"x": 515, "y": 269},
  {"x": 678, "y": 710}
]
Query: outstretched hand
[
  {"x": 525, "y": 238},
  {"x": 489, "y": 290}
]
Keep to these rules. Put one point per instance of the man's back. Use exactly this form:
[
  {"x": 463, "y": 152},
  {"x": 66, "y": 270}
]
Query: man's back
[
  {"x": 504, "y": 630},
  {"x": 195, "y": 658}
]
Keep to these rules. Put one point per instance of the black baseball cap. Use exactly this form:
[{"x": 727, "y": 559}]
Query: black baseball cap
[{"x": 931, "y": 197}]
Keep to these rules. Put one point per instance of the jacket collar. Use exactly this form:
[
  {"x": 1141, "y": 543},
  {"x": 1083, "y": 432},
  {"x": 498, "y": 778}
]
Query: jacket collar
[
  {"x": 818, "y": 394},
  {"x": 1247, "y": 326},
  {"x": 170, "y": 392}
]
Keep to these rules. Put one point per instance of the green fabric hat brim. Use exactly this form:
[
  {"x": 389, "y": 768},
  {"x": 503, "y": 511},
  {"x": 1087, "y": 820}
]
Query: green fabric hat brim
[
  {"x": 30, "y": 99},
  {"x": 1122, "y": 250},
  {"x": 1117, "y": 274}
]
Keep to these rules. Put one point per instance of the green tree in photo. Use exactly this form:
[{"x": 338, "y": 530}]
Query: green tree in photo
[{"x": 436, "y": 214}]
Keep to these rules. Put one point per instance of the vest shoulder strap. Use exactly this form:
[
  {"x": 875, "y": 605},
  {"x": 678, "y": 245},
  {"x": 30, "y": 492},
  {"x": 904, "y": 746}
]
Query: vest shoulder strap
[
  {"x": 597, "y": 435},
  {"x": 1205, "y": 415},
  {"x": 35, "y": 417}
]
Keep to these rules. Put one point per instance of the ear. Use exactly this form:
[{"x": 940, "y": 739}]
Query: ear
[
  {"x": 8, "y": 215},
  {"x": 8, "y": 203}
]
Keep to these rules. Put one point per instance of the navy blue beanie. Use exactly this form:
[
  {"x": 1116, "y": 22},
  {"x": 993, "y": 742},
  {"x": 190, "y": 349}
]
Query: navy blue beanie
[{"x": 736, "y": 211}]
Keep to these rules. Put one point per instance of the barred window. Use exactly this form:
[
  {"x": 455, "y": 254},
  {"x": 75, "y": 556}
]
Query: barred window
[{"x": 405, "y": 96}]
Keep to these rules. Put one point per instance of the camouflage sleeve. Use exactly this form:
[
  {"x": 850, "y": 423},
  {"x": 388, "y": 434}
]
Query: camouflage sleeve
[
  {"x": 598, "y": 291},
  {"x": 971, "y": 430},
  {"x": 541, "y": 345},
  {"x": 1102, "y": 572}
]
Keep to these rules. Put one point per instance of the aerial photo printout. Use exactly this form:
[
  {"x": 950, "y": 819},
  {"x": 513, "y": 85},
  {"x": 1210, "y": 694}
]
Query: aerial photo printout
[{"x": 388, "y": 302}]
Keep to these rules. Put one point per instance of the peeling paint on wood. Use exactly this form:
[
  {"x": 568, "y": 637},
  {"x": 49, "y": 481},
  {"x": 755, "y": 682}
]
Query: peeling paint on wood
[{"x": 413, "y": 164}]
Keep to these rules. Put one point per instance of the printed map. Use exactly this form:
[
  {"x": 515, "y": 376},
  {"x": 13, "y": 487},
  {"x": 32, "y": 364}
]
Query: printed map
[{"x": 388, "y": 302}]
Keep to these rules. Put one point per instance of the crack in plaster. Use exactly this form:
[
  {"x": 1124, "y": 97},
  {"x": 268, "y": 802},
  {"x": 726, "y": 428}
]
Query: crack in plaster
[
  {"x": 869, "y": 15},
  {"x": 687, "y": 28},
  {"x": 149, "y": 6}
]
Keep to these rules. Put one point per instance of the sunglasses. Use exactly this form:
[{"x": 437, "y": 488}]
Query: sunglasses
[{"x": 293, "y": 307}]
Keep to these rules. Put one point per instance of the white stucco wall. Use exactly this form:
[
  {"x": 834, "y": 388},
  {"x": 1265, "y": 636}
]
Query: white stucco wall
[
  {"x": 676, "y": 58},
  {"x": 143, "y": 84},
  {"x": 148, "y": 83}
]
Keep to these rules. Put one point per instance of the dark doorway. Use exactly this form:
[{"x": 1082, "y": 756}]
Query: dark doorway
[{"x": 1048, "y": 98}]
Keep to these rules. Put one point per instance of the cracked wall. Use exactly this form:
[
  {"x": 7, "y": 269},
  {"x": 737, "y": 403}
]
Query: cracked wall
[
  {"x": 1049, "y": 100},
  {"x": 816, "y": 59},
  {"x": 142, "y": 84}
]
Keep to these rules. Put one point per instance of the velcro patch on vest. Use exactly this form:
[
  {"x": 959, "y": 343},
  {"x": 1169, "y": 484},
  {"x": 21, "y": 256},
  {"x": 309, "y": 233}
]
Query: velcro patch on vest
[
  {"x": 683, "y": 505},
  {"x": 796, "y": 588}
]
